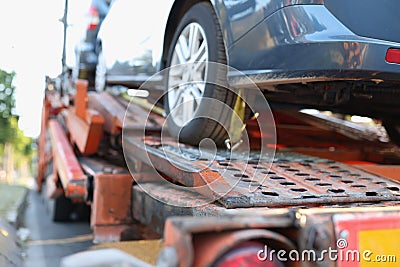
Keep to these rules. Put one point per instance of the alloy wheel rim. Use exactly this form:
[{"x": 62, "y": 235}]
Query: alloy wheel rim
[{"x": 188, "y": 74}]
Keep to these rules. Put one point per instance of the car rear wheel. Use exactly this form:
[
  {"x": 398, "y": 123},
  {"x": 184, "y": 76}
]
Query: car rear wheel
[
  {"x": 392, "y": 128},
  {"x": 191, "y": 79}
]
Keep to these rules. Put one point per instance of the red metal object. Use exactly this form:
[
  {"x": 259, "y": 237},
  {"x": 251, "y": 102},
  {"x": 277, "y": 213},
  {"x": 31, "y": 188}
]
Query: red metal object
[
  {"x": 292, "y": 179},
  {"x": 68, "y": 169},
  {"x": 111, "y": 206},
  {"x": 85, "y": 125},
  {"x": 43, "y": 157},
  {"x": 116, "y": 116},
  {"x": 332, "y": 138},
  {"x": 209, "y": 247},
  {"x": 80, "y": 100},
  {"x": 112, "y": 111},
  {"x": 348, "y": 228},
  {"x": 259, "y": 184},
  {"x": 318, "y": 232},
  {"x": 393, "y": 55},
  {"x": 86, "y": 134},
  {"x": 200, "y": 242},
  {"x": 175, "y": 202},
  {"x": 389, "y": 171}
]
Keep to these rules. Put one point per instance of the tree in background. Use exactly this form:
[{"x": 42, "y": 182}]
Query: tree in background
[
  {"x": 7, "y": 105},
  {"x": 15, "y": 148}
]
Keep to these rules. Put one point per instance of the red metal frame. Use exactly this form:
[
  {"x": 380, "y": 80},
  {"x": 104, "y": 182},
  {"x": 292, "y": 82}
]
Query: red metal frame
[
  {"x": 86, "y": 134},
  {"x": 85, "y": 125},
  {"x": 110, "y": 109},
  {"x": 66, "y": 164},
  {"x": 389, "y": 171},
  {"x": 111, "y": 207},
  {"x": 42, "y": 153}
]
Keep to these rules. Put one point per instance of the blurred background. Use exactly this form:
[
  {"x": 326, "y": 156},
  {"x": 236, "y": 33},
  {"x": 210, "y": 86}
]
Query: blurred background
[{"x": 30, "y": 49}]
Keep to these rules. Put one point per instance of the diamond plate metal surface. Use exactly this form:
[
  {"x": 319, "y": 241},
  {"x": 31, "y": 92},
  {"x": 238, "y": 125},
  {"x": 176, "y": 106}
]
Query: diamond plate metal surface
[{"x": 287, "y": 179}]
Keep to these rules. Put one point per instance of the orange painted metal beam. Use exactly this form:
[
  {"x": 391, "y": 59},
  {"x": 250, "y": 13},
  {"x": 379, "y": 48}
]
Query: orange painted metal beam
[
  {"x": 112, "y": 111},
  {"x": 111, "y": 206},
  {"x": 81, "y": 98},
  {"x": 43, "y": 158},
  {"x": 68, "y": 168},
  {"x": 389, "y": 171},
  {"x": 86, "y": 134},
  {"x": 85, "y": 125},
  {"x": 112, "y": 199}
]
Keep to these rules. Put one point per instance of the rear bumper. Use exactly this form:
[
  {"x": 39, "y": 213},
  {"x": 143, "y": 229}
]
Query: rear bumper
[{"x": 309, "y": 45}]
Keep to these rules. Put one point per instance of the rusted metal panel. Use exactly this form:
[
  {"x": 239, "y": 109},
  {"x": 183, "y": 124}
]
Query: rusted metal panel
[
  {"x": 179, "y": 202},
  {"x": 68, "y": 168},
  {"x": 112, "y": 111},
  {"x": 87, "y": 133},
  {"x": 84, "y": 125},
  {"x": 330, "y": 137},
  {"x": 290, "y": 180},
  {"x": 389, "y": 171},
  {"x": 80, "y": 100},
  {"x": 111, "y": 199},
  {"x": 345, "y": 128},
  {"x": 170, "y": 202}
]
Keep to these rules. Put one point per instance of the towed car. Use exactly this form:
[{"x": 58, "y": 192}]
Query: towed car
[
  {"x": 85, "y": 50},
  {"x": 328, "y": 54}
]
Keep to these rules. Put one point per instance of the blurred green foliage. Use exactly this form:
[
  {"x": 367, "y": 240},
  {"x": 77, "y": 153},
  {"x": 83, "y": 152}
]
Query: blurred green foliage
[
  {"x": 7, "y": 105},
  {"x": 9, "y": 131}
]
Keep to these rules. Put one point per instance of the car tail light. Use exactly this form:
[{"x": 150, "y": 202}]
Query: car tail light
[
  {"x": 247, "y": 255},
  {"x": 393, "y": 55},
  {"x": 94, "y": 18}
]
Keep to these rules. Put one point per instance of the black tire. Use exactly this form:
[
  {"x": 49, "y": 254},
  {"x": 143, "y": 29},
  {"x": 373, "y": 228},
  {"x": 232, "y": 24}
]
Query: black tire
[
  {"x": 199, "y": 127},
  {"x": 61, "y": 209},
  {"x": 392, "y": 128}
]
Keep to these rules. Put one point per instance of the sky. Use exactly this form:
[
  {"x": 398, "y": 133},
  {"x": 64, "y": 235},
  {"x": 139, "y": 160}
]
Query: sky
[{"x": 31, "y": 38}]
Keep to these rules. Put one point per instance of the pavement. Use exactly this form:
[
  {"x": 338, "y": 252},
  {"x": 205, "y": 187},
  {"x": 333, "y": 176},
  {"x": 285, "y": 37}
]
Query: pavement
[
  {"x": 50, "y": 241},
  {"x": 10, "y": 250},
  {"x": 12, "y": 203}
]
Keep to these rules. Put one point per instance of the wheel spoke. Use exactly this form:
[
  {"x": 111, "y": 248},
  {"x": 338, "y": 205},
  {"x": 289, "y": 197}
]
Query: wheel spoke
[
  {"x": 200, "y": 64},
  {"x": 196, "y": 91},
  {"x": 201, "y": 53},
  {"x": 181, "y": 50},
  {"x": 193, "y": 39},
  {"x": 173, "y": 83},
  {"x": 177, "y": 95}
]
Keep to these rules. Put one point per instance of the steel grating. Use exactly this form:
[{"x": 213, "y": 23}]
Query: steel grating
[{"x": 288, "y": 179}]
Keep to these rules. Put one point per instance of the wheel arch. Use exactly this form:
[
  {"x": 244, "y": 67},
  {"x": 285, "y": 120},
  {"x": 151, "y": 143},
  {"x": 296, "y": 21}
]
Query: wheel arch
[{"x": 178, "y": 10}]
